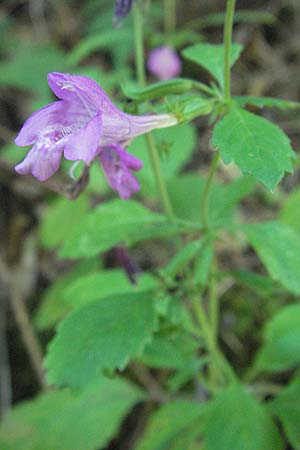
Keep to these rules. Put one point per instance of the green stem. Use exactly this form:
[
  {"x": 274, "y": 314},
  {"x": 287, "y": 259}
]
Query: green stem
[
  {"x": 170, "y": 16},
  {"x": 160, "y": 182},
  {"x": 152, "y": 149},
  {"x": 207, "y": 191},
  {"x": 227, "y": 46},
  {"x": 214, "y": 303},
  {"x": 218, "y": 358}
]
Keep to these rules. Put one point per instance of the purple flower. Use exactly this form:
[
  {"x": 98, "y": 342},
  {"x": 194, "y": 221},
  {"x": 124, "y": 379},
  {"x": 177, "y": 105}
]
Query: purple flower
[
  {"x": 82, "y": 125},
  {"x": 164, "y": 63}
]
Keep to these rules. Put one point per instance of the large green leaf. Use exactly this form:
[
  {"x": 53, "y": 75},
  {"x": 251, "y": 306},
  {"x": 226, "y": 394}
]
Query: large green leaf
[
  {"x": 255, "y": 145},
  {"x": 114, "y": 222},
  {"x": 175, "y": 426},
  {"x": 63, "y": 420},
  {"x": 286, "y": 407},
  {"x": 236, "y": 421},
  {"x": 281, "y": 350},
  {"x": 104, "y": 334},
  {"x": 211, "y": 57},
  {"x": 278, "y": 246}
]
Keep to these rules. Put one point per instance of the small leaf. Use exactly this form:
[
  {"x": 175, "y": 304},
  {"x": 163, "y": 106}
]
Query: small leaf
[
  {"x": 114, "y": 222},
  {"x": 182, "y": 258},
  {"x": 269, "y": 102},
  {"x": 101, "y": 335},
  {"x": 175, "y": 426},
  {"x": 159, "y": 89},
  {"x": 261, "y": 284},
  {"x": 281, "y": 350},
  {"x": 255, "y": 145},
  {"x": 278, "y": 246},
  {"x": 235, "y": 421},
  {"x": 211, "y": 57},
  {"x": 61, "y": 420},
  {"x": 286, "y": 406},
  {"x": 203, "y": 264}
]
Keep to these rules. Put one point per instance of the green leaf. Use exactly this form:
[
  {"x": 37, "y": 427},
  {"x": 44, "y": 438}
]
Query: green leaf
[
  {"x": 52, "y": 306},
  {"x": 278, "y": 246},
  {"x": 290, "y": 210},
  {"x": 110, "y": 224},
  {"x": 223, "y": 198},
  {"x": 170, "y": 351},
  {"x": 61, "y": 420},
  {"x": 269, "y": 102},
  {"x": 101, "y": 335},
  {"x": 235, "y": 421},
  {"x": 211, "y": 57},
  {"x": 175, "y": 145},
  {"x": 255, "y": 145},
  {"x": 286, "y": 407},
  {"x": 261, "y": 284},
  {"x": 60, "y": 219},
  {"x": 175, "y": 426},
  {"x": 281, "y": 350}
]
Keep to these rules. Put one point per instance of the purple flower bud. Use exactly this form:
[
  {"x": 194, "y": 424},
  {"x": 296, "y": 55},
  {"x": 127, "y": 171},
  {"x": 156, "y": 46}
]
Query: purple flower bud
[
  {"x": 84, "y": 124},
  {"x": 122, "y": 9},
  {"x": 164, "y": 63}
]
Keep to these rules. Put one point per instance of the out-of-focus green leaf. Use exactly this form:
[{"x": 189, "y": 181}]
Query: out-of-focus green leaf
[
  {"x": 281, "y": 350},
  {"x": 182, "y": 258},
  {"x": 29, "y": 66},
  {"x": 170, "y": 351},
  {"x": 290, "y": 210},
  {"x": 261, "y": 284},
  {"x": 255, "y": 145},
  {"x": 211, "y": 57},
  {"x": 235, "y": 421},
  {"x": 174, "y": 426},
  {"x": 278, "y": 246},
  {"x": 185, "y": 188},
  {"x": 203, "y": 264},
  {"x": 60, "y": 218},
  {"x": 104, "y": 334},
  {"x": 112, "y": 223},
  {"x": 243, "y": 16},
  {"x": 59, "y": 420},
  {"x": 159, "y": 89},
  {"x": 286, "y": 406},
  {"x": 175, "y": 145}
]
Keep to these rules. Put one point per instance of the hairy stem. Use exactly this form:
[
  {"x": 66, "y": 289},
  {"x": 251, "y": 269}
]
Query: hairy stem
[
  {"x": 227, "y": 46},
  {"x": 152, "y": 149}
]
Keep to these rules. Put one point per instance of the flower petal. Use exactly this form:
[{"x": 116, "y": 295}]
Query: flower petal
[
  {"x": 84, "y": 144},
  {"x": 37, "y": 122},
  {"x": 116, "y": 163},
  {"x": 42, "y": 161}
]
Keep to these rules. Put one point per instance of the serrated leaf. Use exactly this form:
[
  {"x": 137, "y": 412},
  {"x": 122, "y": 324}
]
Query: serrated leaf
[
  {"x": 211, "y": 57},
  {"x": 60, "y": 420},
  {"x": 60, "y": 218},
  {"x": 281, "y": 350},
  {"x": 255, "y": 145},
  {"x": 235, "y": 421},
  {"x": 114, "y": 222},
  {"x": 286, "y": 406},
  {"x": 269, "y": 102},
  {"x": 278, "y": 246},
  {"x": 101, "y": 335},
  {"x": 175, "y": 426}
]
